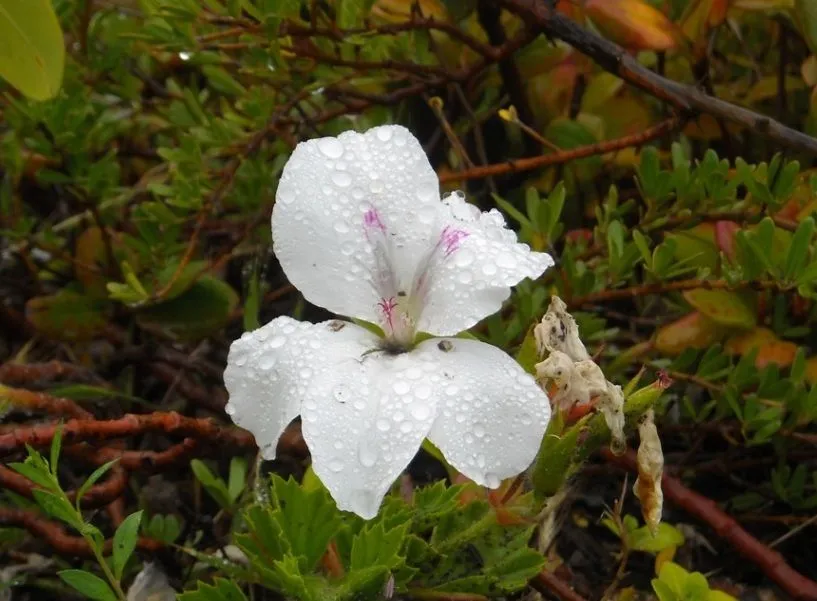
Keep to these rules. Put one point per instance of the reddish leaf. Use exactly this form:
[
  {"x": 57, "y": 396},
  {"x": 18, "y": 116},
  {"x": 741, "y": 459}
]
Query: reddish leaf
[
  {"x": 633, "y": 24},
  {"x": 691, "y": 331}
]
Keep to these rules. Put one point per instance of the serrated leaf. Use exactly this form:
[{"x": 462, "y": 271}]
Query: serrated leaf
[
  {"x": 32, "y": 51},
  {"x": 124, "y": 542},
  {"x": 220, "y": 590},
  {"x": 88, "y": 584}
]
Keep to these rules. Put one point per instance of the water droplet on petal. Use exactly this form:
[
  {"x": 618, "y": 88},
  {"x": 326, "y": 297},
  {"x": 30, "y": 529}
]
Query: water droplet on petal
[
  {"x": 229, "y": 409},
  {"x": 463, "y": 257},
  {"x": 276, "y": 342},
  {"x": 266, "y": 362},
  {"x": 423, "y": 391},
  {"x": 406, "y": 427},
  {"x": 335, "y": 465},
  {"x": 384, "y": 134},
  {"x": 341, "y": 178},
  {"x": 331, "y": 147},
  {"x": 420, "y": 411},
  {"x": 383, "y": 425},
  {"x": 366, "y": 453},
  {"x": 506, "y": 261},
  {"x": 285, "y": 194},
  {"x": 492, "y": 480},
  {"x": 341, "y": 227},
  {"x": 481, "y": 460},
  {"x": 452, "y": 389},
  {"x": 401, "y": 387},
  {"x": 479, "y": 430},
  {"x": 489, "y": 269}
]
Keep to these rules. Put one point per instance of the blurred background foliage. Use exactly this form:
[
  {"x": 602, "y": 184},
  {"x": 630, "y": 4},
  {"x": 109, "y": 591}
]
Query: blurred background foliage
[{"x": 135, "y": 199}]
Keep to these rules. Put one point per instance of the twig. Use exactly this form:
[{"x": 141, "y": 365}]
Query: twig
[
  {"x": 548, "y": 582},
  {"x": 55, "y": 536},
  {"x": 772, "y": 563},
  {"x": 540, "y": 15},
  {"x": 88, "y": 429},
  {"x": 564, "y": 156},
  {"x": 42, "y": 401}
]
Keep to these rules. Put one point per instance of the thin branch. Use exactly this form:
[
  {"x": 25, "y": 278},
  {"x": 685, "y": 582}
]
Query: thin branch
[{"x": 540, "y": 15}]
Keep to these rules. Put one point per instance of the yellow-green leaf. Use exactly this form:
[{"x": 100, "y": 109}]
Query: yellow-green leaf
[
  {"x": 723, "y": 307},
  {"x": 32, "y": 51}
]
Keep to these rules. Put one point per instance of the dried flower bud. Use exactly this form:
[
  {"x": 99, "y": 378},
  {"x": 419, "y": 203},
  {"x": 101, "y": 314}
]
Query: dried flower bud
[
  {"x": 558, "y": 331},
  {"x": 650, "y": 458}
]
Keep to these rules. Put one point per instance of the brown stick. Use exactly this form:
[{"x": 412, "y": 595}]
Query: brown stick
[
  {"x": 42, "y": 401},
  {"x": 770, "y": 561},
  {"x": 87, "y": 429},
  {"x": 55, "y": 536},
  {"x": 563, "y": 156},
  {"x": 614, "y": 59},
  {"x": 548, "y": 582}
]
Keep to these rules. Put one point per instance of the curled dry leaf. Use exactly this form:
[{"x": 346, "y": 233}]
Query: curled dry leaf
[
  {"x": 151, "y": 584},
  {"x": 576, "y": 376},
  {"x": 558, "y": 331},
  {"x": 650, "y": 457}
]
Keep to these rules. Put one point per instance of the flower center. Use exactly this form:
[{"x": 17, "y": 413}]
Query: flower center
[{"x": 402, "y": 292}]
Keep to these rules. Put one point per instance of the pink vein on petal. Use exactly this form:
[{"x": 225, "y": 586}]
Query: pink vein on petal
[
  {"x": 452, "y": 238},
  {"x": 372, "y": 220},
  {"x": 388, "y": 306}
]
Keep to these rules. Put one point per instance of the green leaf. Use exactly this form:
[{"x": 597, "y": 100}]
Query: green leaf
[
  {"x": 124, "y": 542},
  {"x": 666, "y": 536},
  {"x": 799, "y": 249},
  {"x": 35, "y": 473},
  {"x": 723, "y": 307},
  {"x": 95, "y": 475},
  {"x": 350, "y": 13},
  {"x": 237, "y": 478},
  {"x": 58, "y": 507},
  {"x": 89, "y": 585},
  {"x": 214, "y": 485},
  {"x": 806, "y": 13},
  {"x": 220, "y": 590},
  {"x": 56, "y": 445},
  {"x": 32, "y": 51},
  {"x": 67, "y": 315},
  {"x": 201, "y": 310}
]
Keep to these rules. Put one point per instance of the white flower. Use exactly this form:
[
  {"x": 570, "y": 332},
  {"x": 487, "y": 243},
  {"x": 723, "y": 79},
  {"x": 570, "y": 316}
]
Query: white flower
[{"x": 360, "y": 229}]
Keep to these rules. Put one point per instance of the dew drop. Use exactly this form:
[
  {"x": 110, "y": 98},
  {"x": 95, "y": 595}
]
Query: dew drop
[
  {"x": 479, "y": 430},
  {"x": 406, "y": 427},
  {"x": 383, "y": 425},
  {"x": 412, "y": 373},
  {"x": 266, "y": 362},
  {"x": 423, "y": 391},
  {"x": 229, "y": 409},
  {"x": 331, "y": 147},
  {"x": 335, "y": 465},
  {"x": 401, "y": 387},
  {"x": 489, "y": 269},
  {"x": 460, "y": 418},
  {"x": 481, "y": 460},
  {"x": 427, "y": 191},
  {"x": 452, "y": 390},
  {"x": 285, "y": 194},
  {"x": 420, "y": 411},
  {"x": 367, "y": 454},
  {"x": 463, "y": 257},
  {"x": 342, "y": 179},
  {"x": 341, "y": 226},
  {"x": 342, "y": 394},
  {"x": 359, "y": 404},
  {"x": 506, "y": 261},
  {"x": 492, "y": 480},
  {"x": 276, "y": 342}
]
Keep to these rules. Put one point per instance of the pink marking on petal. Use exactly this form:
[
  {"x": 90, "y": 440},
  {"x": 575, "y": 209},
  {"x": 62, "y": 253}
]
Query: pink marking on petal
[
  {"x": 387, "y": 306},
  {"x": 452, "y": 238},
  {"x": 371, "y": 219}
]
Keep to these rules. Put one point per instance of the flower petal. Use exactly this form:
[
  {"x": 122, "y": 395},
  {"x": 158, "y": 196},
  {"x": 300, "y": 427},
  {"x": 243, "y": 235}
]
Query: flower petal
[
  {"x": 365, "y": 420},
  {"x": 352, "y": 214},
  {"x": 492, "y": 415},
  {"x": 472, "y": 277},
  {"x": 269, "y": 371}
]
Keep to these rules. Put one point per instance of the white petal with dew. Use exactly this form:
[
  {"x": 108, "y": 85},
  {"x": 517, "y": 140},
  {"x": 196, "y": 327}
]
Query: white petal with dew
[
  {"x": 492, "y": 415},
  {"x": 334, "y": 196},
  {"x": 476, "y": 274},
  {"x": 269, "y": 370},
  {"x": 365, "y": 419}
]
